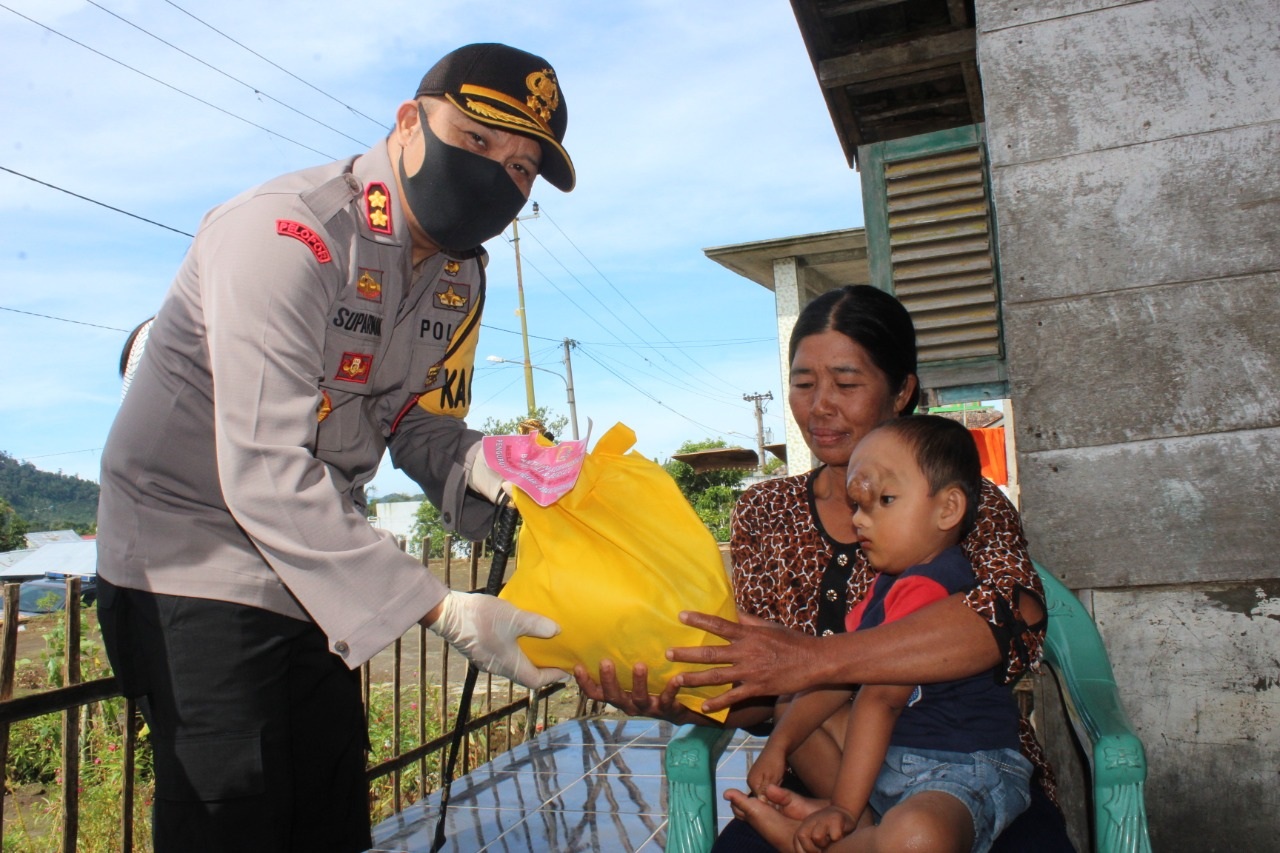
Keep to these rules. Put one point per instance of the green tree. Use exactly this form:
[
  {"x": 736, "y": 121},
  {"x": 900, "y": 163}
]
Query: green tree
[
  {"x": 551, "y": 422},
  {"x": 691, "y": 484},
  {"x": 13, "y": 529},
  {"x": 427, "y": 524},
  {"x": 713, "y": 494},
  {"x": 715, "y": 506}
]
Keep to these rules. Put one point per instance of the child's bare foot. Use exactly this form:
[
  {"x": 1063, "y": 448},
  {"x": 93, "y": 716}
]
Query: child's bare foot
[{"x": 777, "y": 816}]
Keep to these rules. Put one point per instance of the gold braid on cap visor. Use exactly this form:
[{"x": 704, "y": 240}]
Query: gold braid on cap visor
[{"x": 527, "y": 118}]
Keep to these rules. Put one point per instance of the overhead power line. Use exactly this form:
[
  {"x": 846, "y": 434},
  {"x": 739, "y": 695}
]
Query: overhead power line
[
  {"x": 669, "y": 378},
  {"x": 95, "y": 201},
  {"x": 591, "y": 316},
  {"x": 624, "y": 298},
  {"x": 174, "y": 88},
  {"x": 632, "y": 385},
  {"x": 62, "y": 319},
  {"x": 276, "y": 66},
  {"x": 229, "y": 76}
]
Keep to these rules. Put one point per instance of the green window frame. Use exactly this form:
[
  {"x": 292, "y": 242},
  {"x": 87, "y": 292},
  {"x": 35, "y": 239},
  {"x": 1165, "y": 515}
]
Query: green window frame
[{"x": 932, "y": 242}]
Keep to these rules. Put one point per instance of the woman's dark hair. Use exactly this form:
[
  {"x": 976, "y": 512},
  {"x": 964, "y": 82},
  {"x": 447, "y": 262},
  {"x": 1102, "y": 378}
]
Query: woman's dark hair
[
  {"x": 875, "y": 321},
  {"x": 947, "y": 456}
]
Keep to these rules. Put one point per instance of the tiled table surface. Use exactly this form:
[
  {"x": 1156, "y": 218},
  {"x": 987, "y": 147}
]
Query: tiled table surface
[{"x": 584, "y": 785}]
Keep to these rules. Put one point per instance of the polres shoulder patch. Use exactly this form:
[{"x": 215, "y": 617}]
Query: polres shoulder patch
[{"x": 298, "y": 231}]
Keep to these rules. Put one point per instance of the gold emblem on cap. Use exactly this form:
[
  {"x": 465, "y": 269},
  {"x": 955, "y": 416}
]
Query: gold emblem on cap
[{"x": 544, "y": 93}]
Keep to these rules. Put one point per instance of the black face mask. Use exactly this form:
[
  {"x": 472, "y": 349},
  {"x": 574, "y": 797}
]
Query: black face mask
[{"x": 458, "y": 197}]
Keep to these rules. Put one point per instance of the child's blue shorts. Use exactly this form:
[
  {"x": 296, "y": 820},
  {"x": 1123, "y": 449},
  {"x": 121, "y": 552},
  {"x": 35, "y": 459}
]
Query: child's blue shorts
[{"x": 995, "y": 785}]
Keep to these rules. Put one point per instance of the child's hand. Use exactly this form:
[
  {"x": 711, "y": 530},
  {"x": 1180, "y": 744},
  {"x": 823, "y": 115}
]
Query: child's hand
[
  {"x": 823, "y": 828},
  {"x": 767, "y": 769}
]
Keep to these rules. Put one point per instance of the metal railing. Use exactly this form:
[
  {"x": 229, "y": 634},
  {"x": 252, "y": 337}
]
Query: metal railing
[{"x": 97, "y": 702}]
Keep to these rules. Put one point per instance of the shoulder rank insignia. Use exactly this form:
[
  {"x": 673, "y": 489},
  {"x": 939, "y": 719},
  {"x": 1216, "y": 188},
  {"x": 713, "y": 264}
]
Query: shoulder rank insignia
[
  {"x": 325, "y": 407},
  {"x": 451, "y": 267},
  {"x": 355, "y": 367},
  {"x": 369, "y": 285},
  {"x": 377, "y": 207},
  {"x": 298, "y": 231},
  {"x": 454, "y": 297}
]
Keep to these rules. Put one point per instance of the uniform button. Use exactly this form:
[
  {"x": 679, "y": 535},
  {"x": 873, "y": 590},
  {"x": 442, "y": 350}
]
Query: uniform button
[
  {"x": 827, "y": 633},
  {"x": 341, "y": 648},
  {"x": 832, "y": 595}
]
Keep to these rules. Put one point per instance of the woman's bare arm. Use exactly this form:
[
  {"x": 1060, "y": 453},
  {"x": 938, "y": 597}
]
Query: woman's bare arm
[{"x": 941, "y": 642}]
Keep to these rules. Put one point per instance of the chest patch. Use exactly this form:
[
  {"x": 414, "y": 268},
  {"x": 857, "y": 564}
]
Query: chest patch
[
  {"x": 298, "y": 231},
  {"x": 369, "y": 285},
  {"x": 355, "y": 367},
  {"x": 453, "y": 295}
]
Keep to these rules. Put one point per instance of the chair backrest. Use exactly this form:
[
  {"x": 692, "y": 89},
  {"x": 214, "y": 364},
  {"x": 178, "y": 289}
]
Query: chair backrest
[{"x": 1075, "y": 652}]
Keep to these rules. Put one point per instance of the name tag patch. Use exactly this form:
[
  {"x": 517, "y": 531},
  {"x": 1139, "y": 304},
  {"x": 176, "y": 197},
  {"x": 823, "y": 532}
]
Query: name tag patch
[{"x": 360, "y": 322}]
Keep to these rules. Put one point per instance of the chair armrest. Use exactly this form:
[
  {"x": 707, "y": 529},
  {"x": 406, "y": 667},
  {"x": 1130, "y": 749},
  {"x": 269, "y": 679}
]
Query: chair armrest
[
  {"x": 690, "y": 765},
  {"x": 1117, "y": 761}
]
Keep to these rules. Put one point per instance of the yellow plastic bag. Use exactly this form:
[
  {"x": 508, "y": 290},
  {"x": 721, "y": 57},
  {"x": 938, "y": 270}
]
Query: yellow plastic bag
[{"x": 614, "y": 562}]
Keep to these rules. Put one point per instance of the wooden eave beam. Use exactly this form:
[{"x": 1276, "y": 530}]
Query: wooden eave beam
[{"x": 951, "y": 48}]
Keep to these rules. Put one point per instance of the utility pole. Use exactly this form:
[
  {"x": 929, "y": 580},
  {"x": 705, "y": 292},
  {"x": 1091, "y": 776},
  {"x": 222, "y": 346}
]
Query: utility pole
[
  {"x": 568, "y": 386},
  {"x": 524, "y": 326},
  {"x": 759, "y": 400}
]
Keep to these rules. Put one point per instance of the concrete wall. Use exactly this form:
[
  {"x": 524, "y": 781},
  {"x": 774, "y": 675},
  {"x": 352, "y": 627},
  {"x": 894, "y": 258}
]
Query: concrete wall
[{"x": 1135, "y": 154}]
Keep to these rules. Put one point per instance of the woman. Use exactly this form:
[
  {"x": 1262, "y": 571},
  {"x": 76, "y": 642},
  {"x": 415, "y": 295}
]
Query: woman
[{"x": 796, "y": 563}]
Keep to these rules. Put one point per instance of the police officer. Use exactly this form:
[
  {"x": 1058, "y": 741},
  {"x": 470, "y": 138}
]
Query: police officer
[{"x": 317, "y": 320}]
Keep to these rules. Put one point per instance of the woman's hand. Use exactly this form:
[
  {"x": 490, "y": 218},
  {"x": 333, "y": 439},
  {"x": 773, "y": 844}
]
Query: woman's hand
[
  {"x": 762, "y": 658},
  {"x": 638, "y": 702}
]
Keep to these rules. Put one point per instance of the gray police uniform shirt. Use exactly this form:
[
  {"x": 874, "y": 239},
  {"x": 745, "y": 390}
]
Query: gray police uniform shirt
[{"x": 294, "y": 346}]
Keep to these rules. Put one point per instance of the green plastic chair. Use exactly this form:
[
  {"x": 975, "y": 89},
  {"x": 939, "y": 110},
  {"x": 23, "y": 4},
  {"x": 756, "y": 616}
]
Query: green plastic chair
[{"x": 1074, "y": 652}]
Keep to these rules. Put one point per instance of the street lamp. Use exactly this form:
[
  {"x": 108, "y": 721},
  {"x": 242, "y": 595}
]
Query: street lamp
[{"x": 568, "y": 386}]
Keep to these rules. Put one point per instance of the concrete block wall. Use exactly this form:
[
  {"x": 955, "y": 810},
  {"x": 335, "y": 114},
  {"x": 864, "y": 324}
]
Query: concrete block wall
[{"x": 1135, "y": 160}]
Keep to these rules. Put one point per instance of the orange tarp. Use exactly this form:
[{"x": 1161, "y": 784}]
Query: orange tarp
[{"x": 990, "y": 443}]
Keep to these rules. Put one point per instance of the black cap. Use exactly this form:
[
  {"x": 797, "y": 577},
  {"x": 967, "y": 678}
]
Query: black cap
[{"x": 509, "y": 89}]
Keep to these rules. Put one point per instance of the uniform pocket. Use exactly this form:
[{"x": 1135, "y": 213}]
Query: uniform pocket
[{"x": 219, "y": 767}]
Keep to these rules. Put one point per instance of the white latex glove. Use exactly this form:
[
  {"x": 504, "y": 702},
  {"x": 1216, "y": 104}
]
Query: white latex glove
[
  {"x": 484, "y": 479},
  {"x": 484, "y": 629}
]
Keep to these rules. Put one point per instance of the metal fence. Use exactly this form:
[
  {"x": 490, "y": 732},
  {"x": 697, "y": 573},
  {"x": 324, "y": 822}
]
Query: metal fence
[{"x": 492, "y": 728}]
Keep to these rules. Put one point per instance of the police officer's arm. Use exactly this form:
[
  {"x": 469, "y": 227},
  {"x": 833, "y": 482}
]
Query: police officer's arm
[
  {"x": 265, "y": 298},
  {"x": 436, "y": 452}
]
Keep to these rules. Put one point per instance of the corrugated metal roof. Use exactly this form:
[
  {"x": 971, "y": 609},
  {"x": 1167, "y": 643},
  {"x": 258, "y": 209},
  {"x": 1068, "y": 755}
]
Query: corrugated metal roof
[
  {"x": 48, "y": 537},
  {"x": 72, "y": 558},
  {"x": 9, "y": 558}
]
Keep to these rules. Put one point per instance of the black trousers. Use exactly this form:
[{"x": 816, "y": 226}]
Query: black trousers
[{"x": 257, "y": 728}]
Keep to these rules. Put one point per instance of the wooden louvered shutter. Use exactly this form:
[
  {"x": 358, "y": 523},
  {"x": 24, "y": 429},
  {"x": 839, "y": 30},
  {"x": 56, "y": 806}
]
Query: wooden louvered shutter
[{"x": 931, "y": 242}]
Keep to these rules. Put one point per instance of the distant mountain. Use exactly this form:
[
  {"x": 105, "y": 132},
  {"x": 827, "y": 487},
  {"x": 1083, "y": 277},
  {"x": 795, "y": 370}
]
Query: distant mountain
[{"x": 48, "y": 501}]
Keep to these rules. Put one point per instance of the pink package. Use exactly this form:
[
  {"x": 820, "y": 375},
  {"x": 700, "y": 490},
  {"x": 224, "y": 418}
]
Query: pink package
[{"x": 544, "y": 472}]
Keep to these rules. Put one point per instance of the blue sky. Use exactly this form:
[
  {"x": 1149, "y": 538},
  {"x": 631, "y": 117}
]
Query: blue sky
[{"x": 692, "y": 124}]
